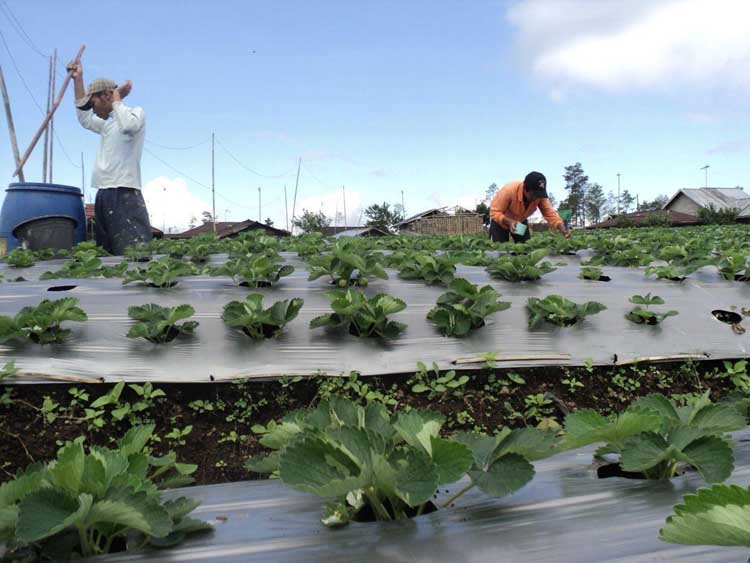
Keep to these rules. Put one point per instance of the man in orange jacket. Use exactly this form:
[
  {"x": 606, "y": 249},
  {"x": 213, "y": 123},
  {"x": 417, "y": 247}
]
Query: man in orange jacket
[{"x": 515, "y": 202}]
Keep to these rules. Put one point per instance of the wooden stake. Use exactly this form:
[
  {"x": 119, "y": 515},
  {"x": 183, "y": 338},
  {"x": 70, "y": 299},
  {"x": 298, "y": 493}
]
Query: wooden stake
[
  {"x": 11, "y": 127},
  {"x": 38, "y": 135},
  {"x": 670, "y": 358},
  {"x": 296, "y": 185},
  {"x": 46, "y": 129},
  {"x": 520, "y": 358},
  {"x": 52, "y": 119}
]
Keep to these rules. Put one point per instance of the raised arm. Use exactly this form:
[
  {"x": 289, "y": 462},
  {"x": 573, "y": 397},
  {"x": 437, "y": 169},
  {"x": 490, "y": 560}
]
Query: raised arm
[
  {"x": 85, "y": 117},
  {"x": 130, "y": 120}
]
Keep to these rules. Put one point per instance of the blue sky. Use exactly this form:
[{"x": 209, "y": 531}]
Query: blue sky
[{"x": 438, "y": 99}]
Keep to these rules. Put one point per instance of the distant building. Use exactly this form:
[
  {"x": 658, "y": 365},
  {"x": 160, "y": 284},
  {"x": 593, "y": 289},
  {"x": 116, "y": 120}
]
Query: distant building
[
  {"x": 440, "y": 221},
  {"x": 330, "y": 231},
  {"x": 363, "y": 232},
  {"x": 230, "y": 229},
  {"x": 644, "y": 218},
  {"x": 690, "y": 200}
]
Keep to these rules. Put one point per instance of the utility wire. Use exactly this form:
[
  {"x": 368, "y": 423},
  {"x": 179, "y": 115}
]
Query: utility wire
[
  {"x": 321, "y": 182},
  {"x": 150, "y": 142},
  {"x": 180, "y": 172},
  {"x": 250, "y": 169},
  {"x": 19, "y": 29}
]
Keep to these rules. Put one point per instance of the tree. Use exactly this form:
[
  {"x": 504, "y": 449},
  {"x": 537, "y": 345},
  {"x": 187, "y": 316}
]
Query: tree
[
  {"x": 193, "y": 222},
  {"x": 310, "y": 222},
  {"x": 383, "y": 217},
  {"x": 484, "y": 210},
  {"x": 269, "y": 222},
  {"x": 626, "y": 201},
  {"x": 576, "y": 184},
  {"x": 658, "y": 203},
  {"x": 207, "y": 217},
  {"x": 490, "y": 191},
  {"x": 595, "y": 203}
]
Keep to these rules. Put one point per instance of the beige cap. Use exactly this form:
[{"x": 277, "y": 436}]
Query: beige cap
[{"x": 97, "y": 85}]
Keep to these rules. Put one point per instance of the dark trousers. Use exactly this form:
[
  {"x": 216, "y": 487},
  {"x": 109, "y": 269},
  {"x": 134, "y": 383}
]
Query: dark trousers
[
  {"x": 121, "y": 219},
  {"x": 499, "y": 234}
]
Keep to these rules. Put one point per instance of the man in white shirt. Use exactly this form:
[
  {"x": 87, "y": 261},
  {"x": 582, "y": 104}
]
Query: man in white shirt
[{"x": 121, "y": 218}]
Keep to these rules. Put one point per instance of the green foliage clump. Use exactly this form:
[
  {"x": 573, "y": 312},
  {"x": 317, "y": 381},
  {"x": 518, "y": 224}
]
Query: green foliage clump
[
  {"x": 641, "y": 314},
  {"x": 257, "y": 322},
  {"x": 525, "y": 267},
  {"x": 161, "y": 273},
  {"x": 159, "y": 324},
  {"x": 465, "y": 307},
  {"x": 85, "y": 503},
  {"x": 558, "y": 310},
  {"x": 41, "y": 324},
  {"x": 20, "y": 258},
  {"x": 362, "y": 459},
  {"x": 362, "y": 316}
]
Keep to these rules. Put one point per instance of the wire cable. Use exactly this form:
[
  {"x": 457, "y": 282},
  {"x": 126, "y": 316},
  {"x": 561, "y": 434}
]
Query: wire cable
[
  {"x": 321, "y": 182},
  {"x": 250, "y": 169},
  {"x": 180, "y": 172},
  {"x": 5, "y": 8},
  {"x": 150, "y": 142}
]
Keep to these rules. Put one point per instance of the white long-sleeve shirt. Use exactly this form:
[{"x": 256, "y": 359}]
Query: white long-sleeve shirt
[{"x": 118, "y": 159}]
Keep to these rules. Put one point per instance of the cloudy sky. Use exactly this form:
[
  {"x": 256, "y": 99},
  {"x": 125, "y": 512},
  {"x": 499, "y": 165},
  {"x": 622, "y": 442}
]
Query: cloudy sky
[{"x": 438, "y": 99}]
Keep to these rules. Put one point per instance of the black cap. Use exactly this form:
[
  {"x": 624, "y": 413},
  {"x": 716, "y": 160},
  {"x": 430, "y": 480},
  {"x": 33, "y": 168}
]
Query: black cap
[{"x": 536, "y": 185}]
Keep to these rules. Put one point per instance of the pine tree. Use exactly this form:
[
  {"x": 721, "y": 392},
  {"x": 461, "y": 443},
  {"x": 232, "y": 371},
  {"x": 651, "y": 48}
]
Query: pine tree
[{"x": 576, "y": 184}]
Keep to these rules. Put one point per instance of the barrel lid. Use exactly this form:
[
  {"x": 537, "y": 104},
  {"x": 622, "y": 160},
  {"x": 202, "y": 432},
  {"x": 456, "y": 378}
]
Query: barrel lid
[{"x": 40, "y": 186}]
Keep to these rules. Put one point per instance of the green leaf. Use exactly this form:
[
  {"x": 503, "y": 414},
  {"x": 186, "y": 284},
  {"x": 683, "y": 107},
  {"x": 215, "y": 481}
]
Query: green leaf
[
  {"x": 712, "y": 457},
  {"x": 135, "y": 439},
  {"x": 505, "y": 476},
  {"x": 417, "y": 428},
  {"x": 587, "y": 427},
  {"x": 416, "y": 476},
  {"x": 452, "y": 459},
  {"x": 644, "y": 451},
  {"x": 716, "y": 516},
  {"x": 310, "y": 464},
  {"x": 532, "y": 443},
  {"x": 122, "y": 506},
  {"x": 67, "y": 470},
  {"x": 46, "y": 512},
  {"x": 263, "y": 464},
  {"x": 482, "y": 446},
  {"x": 718, "y": 418}
]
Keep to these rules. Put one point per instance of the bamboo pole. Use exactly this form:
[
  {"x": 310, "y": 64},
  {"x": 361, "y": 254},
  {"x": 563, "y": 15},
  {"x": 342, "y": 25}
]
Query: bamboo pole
[
  {"x": 38, "y": 135},
  {"x": 52, "y": 119},
  {"x": 11, "y": 127},
  {"x": 517, "y": 358},
  {"x": 669, "y": 358},
  {"x": 46, "y": 129}
]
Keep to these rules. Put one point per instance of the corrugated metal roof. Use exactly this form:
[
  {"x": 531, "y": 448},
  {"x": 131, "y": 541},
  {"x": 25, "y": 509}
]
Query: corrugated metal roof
[
  {"x": 419, "y": 216},
  {"x": 720, "y": 198},
  {"x": 360, "y": 232},
  {"x": 639, "y": 217}
]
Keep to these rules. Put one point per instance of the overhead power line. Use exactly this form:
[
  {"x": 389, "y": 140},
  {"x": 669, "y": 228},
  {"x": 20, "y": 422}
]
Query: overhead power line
[
  {"x": 150, "y": 142},
  {"x": 231, "y": 155}
]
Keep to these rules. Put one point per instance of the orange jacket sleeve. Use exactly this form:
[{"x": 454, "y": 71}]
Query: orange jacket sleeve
[
  {"x": 549, "y": 213},
  {"x": 498, "y": 207}
]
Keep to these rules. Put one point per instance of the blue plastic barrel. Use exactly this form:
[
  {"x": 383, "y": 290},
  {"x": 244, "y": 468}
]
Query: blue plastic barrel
[{"x": 25, "y": 202}]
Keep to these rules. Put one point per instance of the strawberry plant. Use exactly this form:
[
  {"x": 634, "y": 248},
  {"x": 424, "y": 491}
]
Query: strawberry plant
[
  {"x": 656, "y": 437},
  {"x": 641, "y": 313},
  {"x": 257, "y": 322},
  {"x": 433, "y": 270},
  {"x": 345, "y": 259},
  {"x": 161, "y": 273},
  {"x": 256, "y": 270},
  {"x": 362, "y": 316},
  {"x": 159, "y": 324},
  {"x": 87, "y": 503},
  {"x": 465, "y": 307},
  {"x": 41, "y": 324},
  {"x": 436, "y": 385},
  {"x": 391, "y": 466},
  {"x": 86, "y": 265},
  {"x": 733, "y": 265},
  {"x": 20, "y": 258},
  {"x": 558, "y": 310},
  {"x": 525, "y": 267},
  {"x": 712, "y": 516},
  {"x": 592, "y": 273},
  {"x": 138, "y": 252}
]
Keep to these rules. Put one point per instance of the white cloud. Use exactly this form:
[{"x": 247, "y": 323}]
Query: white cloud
[
  {"x": 626, "y": 44},
  {"x": 171, "y": 204},
  {"x": 332, "y": 203}
]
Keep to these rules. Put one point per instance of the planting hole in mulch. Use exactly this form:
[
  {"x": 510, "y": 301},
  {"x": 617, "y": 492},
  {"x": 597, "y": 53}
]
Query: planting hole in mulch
[
  {"x": 255, "y": 284},
  {"x": 677, "y": 279},
  {"x": 728, "y": 317},
  {"x": 61, "y": 287},
  {"x": 170, "y": 284},
  {"x": 367, "y": 515},
  {"x": 268, "y": 331},
  {"x": 605, "y": 278},
  {"x": 740, "y": 277},
  {"x": 609, "y": 470}
]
